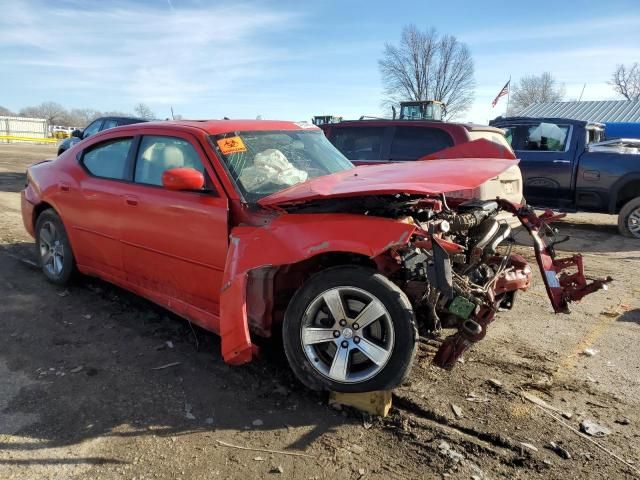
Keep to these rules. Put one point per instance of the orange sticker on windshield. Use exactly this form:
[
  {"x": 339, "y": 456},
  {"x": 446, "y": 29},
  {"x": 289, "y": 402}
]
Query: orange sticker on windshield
[{"x": 231, "y": 145}]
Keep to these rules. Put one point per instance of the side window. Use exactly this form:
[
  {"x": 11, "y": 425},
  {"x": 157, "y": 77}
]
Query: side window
[
  {"x": 157, "y": 154},
  {"x": 358, "y": 143},
  {"x": 412, "y": 143},
  {"x": 109, "y": 124},
  {"x": 92, "y": 129},
  {"x": 546, "y": 137},
  {"x": 109, "y": 159},
  {"x": 510, "y": 137}
]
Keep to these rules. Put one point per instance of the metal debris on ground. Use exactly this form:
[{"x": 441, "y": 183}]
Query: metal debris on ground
[
  {"x": 590, "y": 352},
  {"x": 457, "y": 411},
  {"x": 257, "y": 423},
  {"x": 277, "y": 469},
  {"x": 592, "y": 428},
  {"x": 77, "y": 369}
]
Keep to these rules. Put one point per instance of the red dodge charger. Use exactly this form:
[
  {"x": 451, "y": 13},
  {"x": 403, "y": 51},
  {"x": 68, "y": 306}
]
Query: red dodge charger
[{"x": 243, "y": 226}]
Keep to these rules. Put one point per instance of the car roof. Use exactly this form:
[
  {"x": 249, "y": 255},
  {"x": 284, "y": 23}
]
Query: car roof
[
  {"x": 216, "y": 127},
  {"x": 414, "y": 123},
  {"x": 111, "y": 117},
  {"x": 571, "y": 121}
]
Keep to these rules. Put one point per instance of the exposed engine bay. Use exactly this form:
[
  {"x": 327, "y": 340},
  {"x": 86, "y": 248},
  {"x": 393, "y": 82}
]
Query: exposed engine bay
[{"x": 458, "y": 268}]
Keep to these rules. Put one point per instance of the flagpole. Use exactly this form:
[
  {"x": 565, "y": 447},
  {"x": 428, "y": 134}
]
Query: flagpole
[{"x": 508, "y": 96}]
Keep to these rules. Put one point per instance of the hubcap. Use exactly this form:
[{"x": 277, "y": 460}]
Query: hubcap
[
  {"x": 51, "y": 249},
  {"x": 347, "y": 334},
  {"x": 633, "y": 222}
]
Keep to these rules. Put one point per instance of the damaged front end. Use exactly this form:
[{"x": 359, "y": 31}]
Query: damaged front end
[{"x": 459, "y": 269}]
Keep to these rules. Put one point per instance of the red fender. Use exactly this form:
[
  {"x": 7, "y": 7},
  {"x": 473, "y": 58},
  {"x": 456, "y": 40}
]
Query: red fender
[
  {"x": 290, "y": 239},
  {"x": 481, "y": 148}
]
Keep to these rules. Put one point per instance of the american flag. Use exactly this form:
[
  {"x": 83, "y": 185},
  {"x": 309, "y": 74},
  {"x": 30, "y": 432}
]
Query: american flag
[{"x": 503, "y": 92}]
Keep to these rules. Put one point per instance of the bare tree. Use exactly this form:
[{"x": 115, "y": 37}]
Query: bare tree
[
  {"x": 81, "y": 117},
  {"x": 6, "y": 112},
  {"x": 53, "y": 112},
  {"x": 425, "y": 66},
  {"x": 626, "y": 81},
  {"x": 535, "y": 89},
  {"x": 144, "y": 111}
]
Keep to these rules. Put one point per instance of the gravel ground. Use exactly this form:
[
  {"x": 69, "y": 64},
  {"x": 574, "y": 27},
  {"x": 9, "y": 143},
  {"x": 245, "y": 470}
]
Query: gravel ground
[{"x": 80, "y": 398}]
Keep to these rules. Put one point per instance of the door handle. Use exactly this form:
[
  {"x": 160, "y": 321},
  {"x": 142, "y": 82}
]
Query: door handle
[
  {"x": 64, "y": 187},
  {"x": 562, "y": 161},
  {"x": 131, "y": 200}
]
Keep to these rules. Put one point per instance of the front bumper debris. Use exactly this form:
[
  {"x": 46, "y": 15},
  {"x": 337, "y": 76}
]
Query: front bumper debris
[{"x": 564, "y": 280}]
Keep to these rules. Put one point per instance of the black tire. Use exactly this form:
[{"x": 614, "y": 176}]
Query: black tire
[
  {"x": 398, "y": 316},
  {"x": 60, "y": 264},
  {"x": 629, "y": 217}
]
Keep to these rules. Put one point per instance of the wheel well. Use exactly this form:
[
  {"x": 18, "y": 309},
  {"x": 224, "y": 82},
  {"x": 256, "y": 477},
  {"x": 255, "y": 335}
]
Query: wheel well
[
  {"x": 270, "y": 289},
  {"x": 630, "y": 191},
  {"x": 41, "y": 207}
]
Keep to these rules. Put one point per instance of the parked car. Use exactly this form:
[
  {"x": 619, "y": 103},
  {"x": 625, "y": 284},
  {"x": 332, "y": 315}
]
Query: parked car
[
  {"x": 565, "y": 165},
  {"x": 373, "y": 141},
  {"x": 251, "y": 227},
  {"x": 98, "y": 125}
]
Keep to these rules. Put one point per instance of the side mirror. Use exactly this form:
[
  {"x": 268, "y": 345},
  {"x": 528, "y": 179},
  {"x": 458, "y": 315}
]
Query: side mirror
[
  {"x": 182, "y": 178},
  {"x": 77, "y": 133}
]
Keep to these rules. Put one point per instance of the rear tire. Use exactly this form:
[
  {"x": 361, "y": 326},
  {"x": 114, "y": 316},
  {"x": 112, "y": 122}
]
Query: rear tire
[
  {"x": 328, "y": 349},
  {"x": 53, "y": 248},
  {"x": 629, "y": 219}
]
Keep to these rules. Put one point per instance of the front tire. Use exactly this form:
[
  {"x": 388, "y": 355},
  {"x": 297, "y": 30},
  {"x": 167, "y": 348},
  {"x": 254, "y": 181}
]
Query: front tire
[
  {"x": 349, "y": 329},
  {"x": 53, "y": 248},
  {"x": 629, "y": 219}
]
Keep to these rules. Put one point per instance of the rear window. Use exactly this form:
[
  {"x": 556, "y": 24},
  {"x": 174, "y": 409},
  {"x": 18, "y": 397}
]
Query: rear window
[
  {"x": 359, "y": 143},
  {"x": 412, "y": 143}
]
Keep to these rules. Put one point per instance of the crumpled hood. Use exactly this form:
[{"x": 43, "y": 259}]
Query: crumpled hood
[{"x": 420, "y": 178}]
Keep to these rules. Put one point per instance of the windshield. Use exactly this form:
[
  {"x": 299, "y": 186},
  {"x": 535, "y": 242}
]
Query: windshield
[{"x": 265, "y": 162}]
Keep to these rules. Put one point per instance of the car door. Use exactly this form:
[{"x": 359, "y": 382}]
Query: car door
[
  {"x": 546, "y": 161},
  {"x": 175, "y": 242},
  {"x": 93, "y": 205}
]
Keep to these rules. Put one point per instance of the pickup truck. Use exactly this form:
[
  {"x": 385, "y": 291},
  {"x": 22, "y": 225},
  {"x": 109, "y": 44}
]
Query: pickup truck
[{"x": 565, "y": 165}]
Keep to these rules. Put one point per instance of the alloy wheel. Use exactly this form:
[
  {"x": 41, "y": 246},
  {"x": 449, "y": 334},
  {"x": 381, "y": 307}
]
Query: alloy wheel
[
  {"x": 347, "y": 334},
  {"x": 51, "y": 249},
  {"x": 633, "y": 222}
]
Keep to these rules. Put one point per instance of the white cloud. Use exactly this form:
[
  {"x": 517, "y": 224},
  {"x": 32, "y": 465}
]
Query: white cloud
[
  {"x": 139, "y": 53},
  {"x": 520, "y": 30}
]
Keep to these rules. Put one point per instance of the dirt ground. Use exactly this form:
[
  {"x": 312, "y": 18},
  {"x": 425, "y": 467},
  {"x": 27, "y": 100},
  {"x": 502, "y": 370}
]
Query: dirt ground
[{"x": 80, "y": 396}]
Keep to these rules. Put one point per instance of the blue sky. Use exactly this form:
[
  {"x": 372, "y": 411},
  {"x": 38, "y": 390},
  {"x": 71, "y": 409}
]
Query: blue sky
[{"x": 292, "y": 59}]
